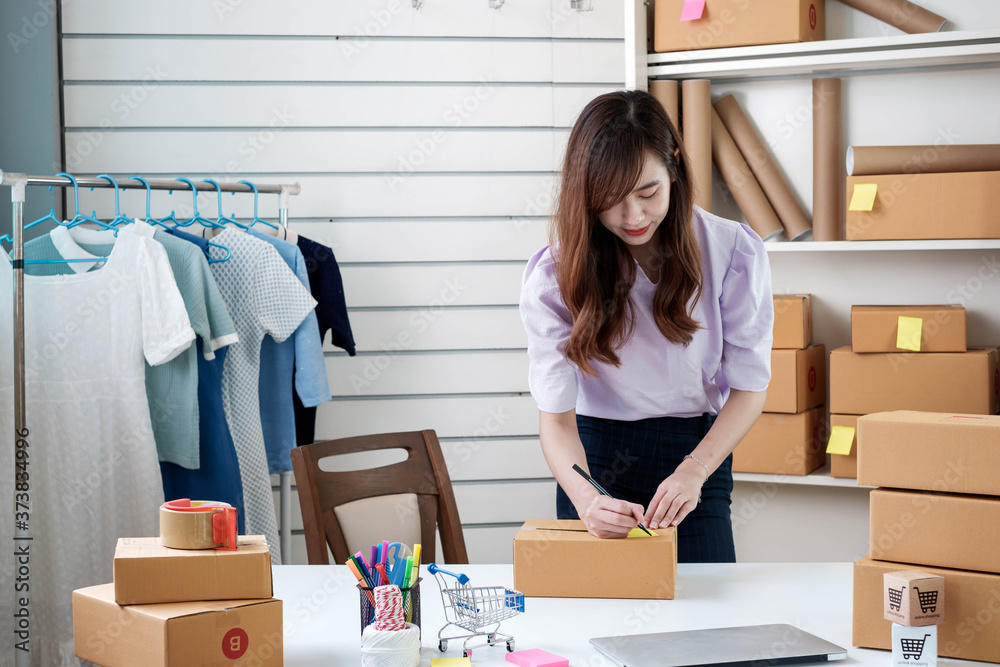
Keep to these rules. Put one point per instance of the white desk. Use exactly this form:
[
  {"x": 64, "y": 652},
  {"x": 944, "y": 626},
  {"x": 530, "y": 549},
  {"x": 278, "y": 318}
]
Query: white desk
[{"x": 322, "y": 617}]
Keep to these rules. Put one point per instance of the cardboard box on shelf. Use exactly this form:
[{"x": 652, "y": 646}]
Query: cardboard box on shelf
[
  {"x": 783, "y": 444},
  {"x": 798, "y": 380},
  {"x": 970, "y": 630},
  {"x": 913, "y": 598},
  {"x": 930, "y": 451},
  {"x": 957, "y": 205},
  {"x": 792, "y": 321},
  {"x": 941, "y": 529},
  {"x": 738, "y": 23},
  {"x": 845, "y": 466},
  {"x": 879, "y": 329},
  {"x": 180, "y": 634},
  {"x": 147, "y": 573},
  {"x": 559, "y": 558},
  {"x": 935, "y": 381}
]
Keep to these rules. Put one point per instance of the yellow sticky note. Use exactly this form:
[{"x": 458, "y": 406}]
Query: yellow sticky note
[
  {"x": 863, "y": 198},
  {"x": 908, "y": 333},
  {"x": 637, "y": 532},
  {"x": 841, "y": 440},
  {"x": 451, "y": 662}
]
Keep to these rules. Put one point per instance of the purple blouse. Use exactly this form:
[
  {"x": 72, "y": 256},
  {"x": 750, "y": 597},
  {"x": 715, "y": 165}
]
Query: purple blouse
[{"x": 658, "y": 378}]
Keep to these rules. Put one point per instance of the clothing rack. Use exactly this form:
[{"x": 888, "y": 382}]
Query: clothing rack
[{"x": 17, "y": 183}]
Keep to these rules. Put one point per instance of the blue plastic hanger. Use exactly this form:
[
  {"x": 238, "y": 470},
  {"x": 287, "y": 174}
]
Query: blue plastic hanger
[
  {"x": 149, "y": 218},
  {"x": 222, "y": 219},
  {"x": 219, "y": 223},
  {"x": 6, "y": 238},
  {"x": 197, "y": 217},
  {"x": 119, "y": 218},
  {"x": 78, "y": 217},
  {"x": 255, "y": 218}
]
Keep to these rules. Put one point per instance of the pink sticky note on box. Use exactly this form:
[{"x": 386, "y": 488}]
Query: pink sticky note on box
[
  {"x": 693, "y": 10},
  {"x": 536, "y": 657}
]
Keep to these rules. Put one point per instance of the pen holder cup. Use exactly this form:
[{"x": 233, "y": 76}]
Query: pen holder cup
[{"x": 411, "y": 604}]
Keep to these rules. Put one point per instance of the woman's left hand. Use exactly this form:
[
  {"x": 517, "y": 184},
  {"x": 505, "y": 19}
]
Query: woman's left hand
[{"x": 676, "y": 496}]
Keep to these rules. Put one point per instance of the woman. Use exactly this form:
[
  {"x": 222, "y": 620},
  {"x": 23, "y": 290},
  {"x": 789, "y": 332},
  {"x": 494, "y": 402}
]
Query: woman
[{"x": 649, "y": 334}]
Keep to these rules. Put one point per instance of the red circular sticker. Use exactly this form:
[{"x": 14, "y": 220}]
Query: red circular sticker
[
  {"x": 235, "y": 643},
  {"x": 812, "y": 17},
  {"x": 812, "y": 378}
]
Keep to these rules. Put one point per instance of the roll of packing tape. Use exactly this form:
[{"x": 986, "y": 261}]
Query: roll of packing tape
[{"x": 197, "y": 524}]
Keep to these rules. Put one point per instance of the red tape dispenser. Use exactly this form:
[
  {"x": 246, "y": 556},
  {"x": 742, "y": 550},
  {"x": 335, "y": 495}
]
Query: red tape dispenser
[{"x": 198, "y": 524}]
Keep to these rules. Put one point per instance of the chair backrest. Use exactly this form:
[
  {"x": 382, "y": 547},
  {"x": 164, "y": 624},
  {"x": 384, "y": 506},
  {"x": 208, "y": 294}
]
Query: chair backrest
[{"x": 423, "y": 473}]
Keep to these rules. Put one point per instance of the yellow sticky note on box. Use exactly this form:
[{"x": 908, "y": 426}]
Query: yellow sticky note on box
[
  {"x": 863, "y": 198},
  {"x": 908, "y": 333},
  {"x": 637, "y": 532},
  {"x": 841, "y": 440}
]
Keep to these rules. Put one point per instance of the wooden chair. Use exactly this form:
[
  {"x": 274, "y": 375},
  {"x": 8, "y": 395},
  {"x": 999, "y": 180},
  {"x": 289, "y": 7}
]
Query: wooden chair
[{"x": 423, "y": 473}]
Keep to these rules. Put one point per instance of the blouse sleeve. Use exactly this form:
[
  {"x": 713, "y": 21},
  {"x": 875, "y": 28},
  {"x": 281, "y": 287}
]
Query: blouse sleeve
[
  {"x": 747, "y": 315},
  {"x": 166, "y": 329},
  {"x": 547, "y": 322}
]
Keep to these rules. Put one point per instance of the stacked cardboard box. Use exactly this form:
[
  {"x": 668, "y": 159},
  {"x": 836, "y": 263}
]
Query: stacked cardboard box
[
  {"x": 171, "y": 607},
  {"x": 786, "y": 440},
  {"x": 938, "y": 508},
  {"x": 904, "y": 358}
]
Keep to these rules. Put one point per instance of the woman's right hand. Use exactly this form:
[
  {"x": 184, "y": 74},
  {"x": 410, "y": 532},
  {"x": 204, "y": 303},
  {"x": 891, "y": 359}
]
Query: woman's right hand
[{"x": 611, "y": 518}]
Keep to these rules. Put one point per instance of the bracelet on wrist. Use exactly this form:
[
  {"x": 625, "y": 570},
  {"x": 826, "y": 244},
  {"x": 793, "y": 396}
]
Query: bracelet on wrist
[{"x": 708, "y": 473}]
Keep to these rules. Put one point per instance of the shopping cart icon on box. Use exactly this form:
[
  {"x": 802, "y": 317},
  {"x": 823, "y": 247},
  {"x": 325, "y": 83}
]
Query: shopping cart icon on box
[
  {"x": 896, "y": 597},
  {"x": 928, "y": 600},
  {"x": 912, "y": 648}
]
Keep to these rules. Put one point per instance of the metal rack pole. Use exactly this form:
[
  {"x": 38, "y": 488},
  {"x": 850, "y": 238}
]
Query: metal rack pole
[{"x": 285, "y": 489}]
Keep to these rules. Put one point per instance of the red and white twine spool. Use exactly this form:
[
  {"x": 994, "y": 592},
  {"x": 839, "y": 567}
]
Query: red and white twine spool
[{"x": 389, "y": 608}]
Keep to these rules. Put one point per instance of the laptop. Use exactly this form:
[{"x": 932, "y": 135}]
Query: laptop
[{"x": 748, "y": 646}]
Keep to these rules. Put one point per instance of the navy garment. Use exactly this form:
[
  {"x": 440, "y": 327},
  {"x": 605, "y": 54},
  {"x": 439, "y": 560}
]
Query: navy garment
[
  {"x": 327, "y": 288},
  {"x": 631, "y": 458},
  {"x": 218, "y": 477}
]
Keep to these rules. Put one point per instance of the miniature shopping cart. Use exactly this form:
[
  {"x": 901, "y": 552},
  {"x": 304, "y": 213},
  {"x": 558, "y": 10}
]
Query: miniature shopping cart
[
  {"x": 928, "y": 600},
  {"x": 912, "y": 648},
  {"x": 478, "y": 611},
  {"x": 896, "y": 597}
]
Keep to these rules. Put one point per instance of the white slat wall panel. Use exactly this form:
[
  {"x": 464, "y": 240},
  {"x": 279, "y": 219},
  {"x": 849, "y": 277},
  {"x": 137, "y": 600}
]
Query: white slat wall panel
[{"x": 427, "y": 144}]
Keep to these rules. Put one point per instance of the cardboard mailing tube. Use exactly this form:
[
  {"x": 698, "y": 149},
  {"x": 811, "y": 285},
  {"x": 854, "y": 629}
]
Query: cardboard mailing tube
[
  {"x": 792, "y": 217},
  {"x": 878, "y": 160},
  {"x": 827, "y": 177},
  {"x": 737, "y": 175},
  {"x": 901, "y": 14},
  {"x": 668, "y": 93},
  {"x": 696, "y": 117}
]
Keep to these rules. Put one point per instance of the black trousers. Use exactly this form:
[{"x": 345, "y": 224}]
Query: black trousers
[{"x": 630, "y": 459}]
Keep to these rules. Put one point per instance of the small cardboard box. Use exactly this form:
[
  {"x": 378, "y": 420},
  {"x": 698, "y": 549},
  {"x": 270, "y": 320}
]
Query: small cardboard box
[
  {"x": 798, "y": 380},
  {"x": 148, "y": 573},
  {"x": 181, "y": 634},
  {"x": 914, "y": 646},
  {"x": 971, "y": 627},
  {"x": 792, "y": 321},
  {"x": 738, "y": 23},
  {"x": 936, "y": 382},
  {"x": 783, "y": 444},
  {"x": 875, "y": 328},
  {"x": 841, "y": 465},
  {"x": 930, "y": 451},
  {"x": 560, "y": 559},
  {"x": 958, "y": 205},
  {"x": 941, "y": 529},
  {"x": 913, "y": 598}
]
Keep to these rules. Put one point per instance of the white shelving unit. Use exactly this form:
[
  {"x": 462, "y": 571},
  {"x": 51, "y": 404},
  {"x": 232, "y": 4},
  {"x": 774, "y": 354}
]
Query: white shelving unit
[
  {"x": 883, "y": 246},
  {"x": 819, "y": 477}
]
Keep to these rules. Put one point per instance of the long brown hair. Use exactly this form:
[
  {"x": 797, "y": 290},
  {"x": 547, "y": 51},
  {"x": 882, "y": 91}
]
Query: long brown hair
[{"x": 604, "y": 160}]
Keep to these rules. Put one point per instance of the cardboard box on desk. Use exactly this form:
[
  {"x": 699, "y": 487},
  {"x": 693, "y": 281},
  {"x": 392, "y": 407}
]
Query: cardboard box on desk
[
  {"x": 792, "y": 321},
  {"x": 845, "y": 465},
  {"x": 877, "y": 328},
  {"x": 941, "y": 529},
  {"x": 930, "y": 451},
  {"x": 560, "y": 559},
  {"x": 971, "y": 627},
  {"x": 913, "y": 598},
  {"x": 958, "y": 205},
  {"x": 180, "y": 634},
  {"x": 738, "y": 23},
  {"x": 148, "y": 573},
  {"x": 966, "y": 382},
  {"x": 783, "y": 444},
  {"x": 798, "y": 380}
]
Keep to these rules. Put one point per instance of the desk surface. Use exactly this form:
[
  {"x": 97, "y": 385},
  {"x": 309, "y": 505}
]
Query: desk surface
[{"x": 322, "y": 623}]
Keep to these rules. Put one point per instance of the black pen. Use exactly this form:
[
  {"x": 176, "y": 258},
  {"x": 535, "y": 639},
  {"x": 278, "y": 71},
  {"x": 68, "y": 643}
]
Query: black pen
[{"x": 602, "y": 491}]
